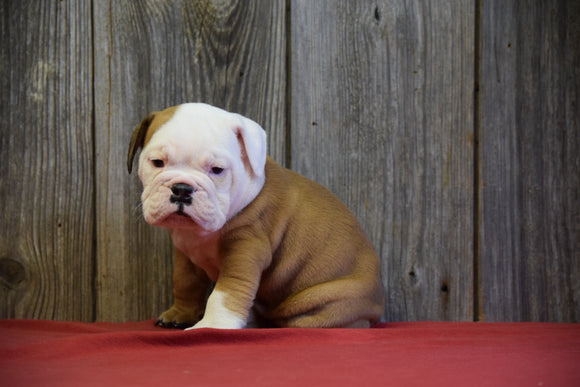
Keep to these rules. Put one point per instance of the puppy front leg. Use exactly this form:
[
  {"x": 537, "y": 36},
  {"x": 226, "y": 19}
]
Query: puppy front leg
[
  {"x": 190, "y": 289},
  {"x": 229, "y": 304}
]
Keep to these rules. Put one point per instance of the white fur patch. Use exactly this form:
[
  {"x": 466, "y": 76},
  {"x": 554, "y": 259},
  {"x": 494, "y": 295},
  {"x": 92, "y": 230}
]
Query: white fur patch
[{"x": 217, "y": 315}]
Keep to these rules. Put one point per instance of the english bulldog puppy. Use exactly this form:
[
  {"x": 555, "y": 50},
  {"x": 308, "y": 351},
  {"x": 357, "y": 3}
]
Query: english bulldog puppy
[{"x": 250, "y": 236}]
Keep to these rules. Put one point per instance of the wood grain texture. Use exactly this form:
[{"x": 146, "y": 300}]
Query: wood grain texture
[
  {"x": 381, "y": 114},
  {"x": 379, "y": 107},
  {"x": 530, "y": 161},
  {"x": 151, "y": 56},
  {"x": 46, "y": 179}
]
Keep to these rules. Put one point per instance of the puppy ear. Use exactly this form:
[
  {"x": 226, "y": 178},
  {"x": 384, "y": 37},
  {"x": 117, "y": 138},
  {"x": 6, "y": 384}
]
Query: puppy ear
[
  {"x": 138, "y": 139},
  {"x": 252, "y": 138}
]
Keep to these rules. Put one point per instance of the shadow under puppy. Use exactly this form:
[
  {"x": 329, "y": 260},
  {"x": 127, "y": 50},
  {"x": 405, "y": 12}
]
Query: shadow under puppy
[{"x": 272, "y": 241}]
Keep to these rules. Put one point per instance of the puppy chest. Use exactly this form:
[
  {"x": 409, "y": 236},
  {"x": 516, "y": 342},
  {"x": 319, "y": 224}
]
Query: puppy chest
[{"x": 202, "y": 251}]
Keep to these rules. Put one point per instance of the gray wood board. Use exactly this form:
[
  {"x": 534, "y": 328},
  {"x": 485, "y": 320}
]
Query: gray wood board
[
  {"x": 381, "y": 98},
  {"x": 530, "y": 257},
  {"x": 46, "y": 153}
]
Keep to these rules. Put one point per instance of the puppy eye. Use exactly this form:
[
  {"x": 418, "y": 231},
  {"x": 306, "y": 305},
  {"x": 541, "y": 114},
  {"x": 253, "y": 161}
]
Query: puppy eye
[
  {"x": 217, "y": 170},
  {"x": 158, "y": 163}
]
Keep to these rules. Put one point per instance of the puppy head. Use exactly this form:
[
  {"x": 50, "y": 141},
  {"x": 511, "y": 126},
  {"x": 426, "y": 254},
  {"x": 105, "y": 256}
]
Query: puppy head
[{"x": 199, "y": 165}]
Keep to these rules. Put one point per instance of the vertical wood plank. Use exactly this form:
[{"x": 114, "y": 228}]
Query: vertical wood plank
[
  {"x": 150, "y": 56},
  {"x": 381, "y": 113},
  {"x": 46, "y": 179},
  {"x": 530, "y": 180}
]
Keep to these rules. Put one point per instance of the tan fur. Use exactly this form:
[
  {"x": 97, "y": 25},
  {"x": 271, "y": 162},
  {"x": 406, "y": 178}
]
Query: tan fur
[{"x": 295, "y": 254}]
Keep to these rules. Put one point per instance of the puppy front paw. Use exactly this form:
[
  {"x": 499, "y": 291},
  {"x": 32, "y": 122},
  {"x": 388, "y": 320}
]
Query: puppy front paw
[
  {"x": 224, "y": 323},
  {"x": 218, "y": 316},
  {"x": 178, "y": 318}
]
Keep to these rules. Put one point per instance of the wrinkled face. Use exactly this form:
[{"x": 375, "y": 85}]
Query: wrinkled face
[{"x": 200, "y": 168}]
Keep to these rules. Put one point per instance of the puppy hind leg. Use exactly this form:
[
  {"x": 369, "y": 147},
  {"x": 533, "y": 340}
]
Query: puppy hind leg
[
  {"x": 338, "y": 314},
  {"x": 337, "y": 304}
]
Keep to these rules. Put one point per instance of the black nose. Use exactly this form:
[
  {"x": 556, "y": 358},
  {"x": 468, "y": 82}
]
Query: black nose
[{"x": 181, "y": 193}]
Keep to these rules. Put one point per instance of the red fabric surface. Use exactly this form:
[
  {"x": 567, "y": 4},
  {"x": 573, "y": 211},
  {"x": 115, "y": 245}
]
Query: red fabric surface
[{"x": 47, "y": 353}]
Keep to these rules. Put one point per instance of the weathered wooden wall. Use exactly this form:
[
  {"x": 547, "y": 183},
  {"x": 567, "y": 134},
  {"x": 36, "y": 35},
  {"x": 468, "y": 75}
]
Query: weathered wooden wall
[
  {"x": 451, "y": 129},
  {"x": 47, "y": 182},
  {"x": 530, "y": 164}
]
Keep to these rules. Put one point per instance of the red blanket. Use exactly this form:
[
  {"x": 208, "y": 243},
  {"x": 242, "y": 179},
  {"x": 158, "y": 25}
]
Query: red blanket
[{"x": 47, "y": 353}]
